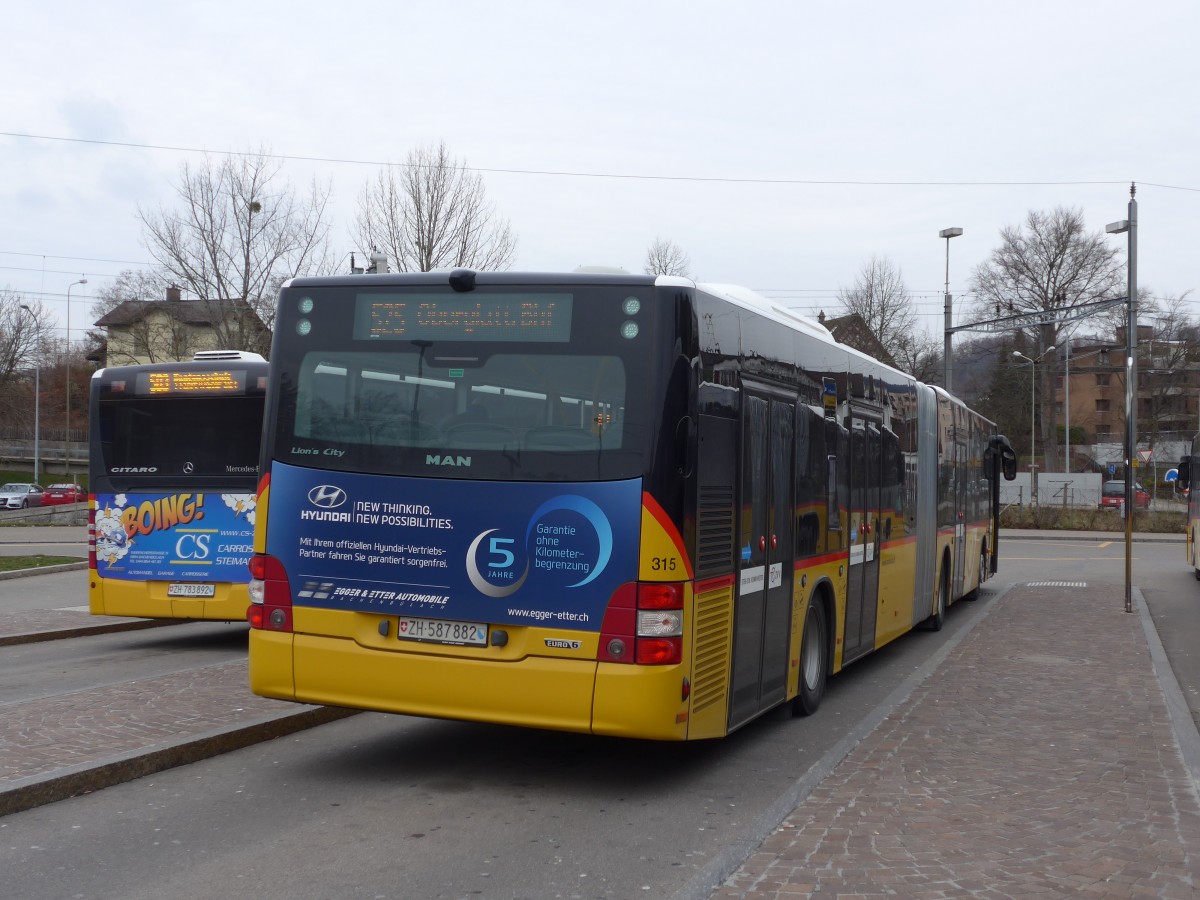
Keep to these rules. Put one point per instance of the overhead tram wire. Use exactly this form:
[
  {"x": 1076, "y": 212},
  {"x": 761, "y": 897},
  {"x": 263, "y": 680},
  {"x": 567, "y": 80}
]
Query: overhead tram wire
[{"x": 613, "y": 175}]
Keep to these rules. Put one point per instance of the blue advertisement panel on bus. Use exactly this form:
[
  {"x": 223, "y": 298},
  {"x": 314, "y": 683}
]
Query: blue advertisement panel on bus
[
  {"x": 504, "y": 552},
  {"x": 175, "y": 536}
]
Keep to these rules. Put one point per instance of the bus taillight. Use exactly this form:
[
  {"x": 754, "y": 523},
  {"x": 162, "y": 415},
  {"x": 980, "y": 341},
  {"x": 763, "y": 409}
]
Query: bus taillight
[
  {"x": 91, "y": 532},
  {"x": 659, "y": 624},
  {"x": 270, "y": 594},
  {"x": 644, "y": 625}
]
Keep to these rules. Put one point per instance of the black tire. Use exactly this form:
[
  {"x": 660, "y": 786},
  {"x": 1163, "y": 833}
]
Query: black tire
[
  {"x": 24, "y": 504},
  {"x": 814, "y": 661},
  {"x": 938, "y": 619}
]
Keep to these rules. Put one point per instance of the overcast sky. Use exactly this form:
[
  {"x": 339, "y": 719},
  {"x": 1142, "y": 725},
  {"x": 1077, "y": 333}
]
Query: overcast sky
[{"x": 779, "y": 144}]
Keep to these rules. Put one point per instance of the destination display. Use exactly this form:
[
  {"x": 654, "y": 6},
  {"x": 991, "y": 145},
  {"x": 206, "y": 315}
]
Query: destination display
[
  {"x": 544, "y": 318},
  {"x": 167, "y": 382},
  {"x": 471, "y": 553}
]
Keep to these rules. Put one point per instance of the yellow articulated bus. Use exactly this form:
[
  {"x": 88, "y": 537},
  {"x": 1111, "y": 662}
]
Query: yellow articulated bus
[
  {"x": 173, "y": 469},
  {"x": 612, "y": 504}
]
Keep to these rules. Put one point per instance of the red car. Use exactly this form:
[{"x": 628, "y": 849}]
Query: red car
[
  {"x": 1112, "y": 495},
  {"x": 62, "y": 493}
]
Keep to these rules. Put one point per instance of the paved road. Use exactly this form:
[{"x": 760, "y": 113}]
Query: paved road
[{"x": 1082, "y": 716}]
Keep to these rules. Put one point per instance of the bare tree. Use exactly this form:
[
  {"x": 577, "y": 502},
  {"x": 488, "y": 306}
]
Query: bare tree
[
  {"x": 665, "y": 257},
  {"x": 131, "y": 284},
  {"x": 1167, "y": 361},
  {"x": 919, "y": 353},
  {"x": 24, "y": 331},
  {"x": 432, "y": 212},
  {"x": 1044, "y": 270},
  {"x": 879, "y": 296},
  {"x": 236, "y": 235}
]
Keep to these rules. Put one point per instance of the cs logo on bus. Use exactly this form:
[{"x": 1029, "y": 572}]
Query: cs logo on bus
[{"x": 327, "y": 496}]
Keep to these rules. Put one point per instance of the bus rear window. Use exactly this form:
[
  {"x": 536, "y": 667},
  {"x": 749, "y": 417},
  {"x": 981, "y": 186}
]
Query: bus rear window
[
  {"x": 507, "y": 403},
  {"x": 184, "y": 437}
]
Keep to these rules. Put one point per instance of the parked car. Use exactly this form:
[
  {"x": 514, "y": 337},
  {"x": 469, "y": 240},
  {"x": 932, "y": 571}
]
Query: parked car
[
  {"x": 62, "y": 493},
  {"x": 18, "y": 495},
  {"x": 1112, "y": 495}
]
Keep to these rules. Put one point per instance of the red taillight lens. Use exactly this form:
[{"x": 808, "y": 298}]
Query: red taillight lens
[
  {"x": 660, "y": 596},
  {"x": 659, "y": 651}
]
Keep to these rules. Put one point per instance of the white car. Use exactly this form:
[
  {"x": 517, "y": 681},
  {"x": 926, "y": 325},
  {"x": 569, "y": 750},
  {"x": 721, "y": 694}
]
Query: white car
[{"x": 18, "y": 495}]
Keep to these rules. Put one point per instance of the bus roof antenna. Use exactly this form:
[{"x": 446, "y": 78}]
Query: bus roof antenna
[{"x": 462, "y": 280}]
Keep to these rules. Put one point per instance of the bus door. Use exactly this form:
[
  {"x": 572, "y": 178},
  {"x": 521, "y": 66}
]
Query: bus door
[
  {"x": 763, "y": 611},
  {"x": 866, "y": 499}
]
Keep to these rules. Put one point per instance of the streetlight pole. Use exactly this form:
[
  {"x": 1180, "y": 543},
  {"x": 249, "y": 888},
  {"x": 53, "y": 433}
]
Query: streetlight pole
[
  {"x": 67, "y": 442},
  {"x": 1033, "y": 419},
  {"x": 948, "y": 363},
  {"x": 1129, "y": 226},
  {"x": 37, "y": 406},
  {"x": 1067, "y": 410}
]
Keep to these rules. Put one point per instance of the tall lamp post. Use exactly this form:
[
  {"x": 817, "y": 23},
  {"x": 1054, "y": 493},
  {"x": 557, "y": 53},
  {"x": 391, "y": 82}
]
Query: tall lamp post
[
  {"x": 1033, "y": 419},
  {"x": 1129, "y": 226},
  {"x": 948, "y": 372},
  {"x": 67, "y": 442},
  {"x": 37, "y": 407}
]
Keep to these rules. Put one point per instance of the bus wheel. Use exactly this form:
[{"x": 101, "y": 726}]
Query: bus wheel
[
  {"x": 814, "y": 661},
  {"x": 938, "y": 619},
  {"x": 974, "y": 595}
]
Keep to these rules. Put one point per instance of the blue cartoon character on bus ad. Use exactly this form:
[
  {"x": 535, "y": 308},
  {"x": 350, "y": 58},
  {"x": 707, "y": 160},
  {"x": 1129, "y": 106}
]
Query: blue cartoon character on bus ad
[{"x": 521, "y": 553}]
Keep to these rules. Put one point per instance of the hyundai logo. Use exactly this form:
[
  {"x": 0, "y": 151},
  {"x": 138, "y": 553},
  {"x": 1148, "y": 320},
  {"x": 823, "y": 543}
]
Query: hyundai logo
[{"x": 327, "y": 496}]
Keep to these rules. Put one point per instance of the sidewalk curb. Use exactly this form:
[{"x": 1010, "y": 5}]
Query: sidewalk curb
[
  {"x": 36, "y": 637},
  {"x": 43, "y": 570},
  {"x": 38, "y": 790},
  {"x": 1182, "y": 723}
]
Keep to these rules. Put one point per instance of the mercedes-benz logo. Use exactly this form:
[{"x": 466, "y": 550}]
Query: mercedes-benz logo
[
  {"x": 327, "y": 496},
  {"x": 188, "y": 468}
]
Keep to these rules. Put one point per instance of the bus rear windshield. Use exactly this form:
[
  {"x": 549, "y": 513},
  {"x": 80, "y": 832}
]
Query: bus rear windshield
[
  {"x": 523, "y": 388},
  {"x": 181, "y": 436}
]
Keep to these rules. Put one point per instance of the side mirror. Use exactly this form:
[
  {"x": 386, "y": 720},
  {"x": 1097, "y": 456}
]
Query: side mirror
[
  {"x": 1007, "y": 456},
  {"x": 1185, "y": 473}
]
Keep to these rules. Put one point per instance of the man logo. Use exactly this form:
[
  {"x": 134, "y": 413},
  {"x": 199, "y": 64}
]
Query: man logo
[{"x": 327, "y": 496}]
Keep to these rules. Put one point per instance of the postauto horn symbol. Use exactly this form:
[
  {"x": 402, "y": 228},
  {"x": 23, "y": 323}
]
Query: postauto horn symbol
[{"x": 327, "y": 496}]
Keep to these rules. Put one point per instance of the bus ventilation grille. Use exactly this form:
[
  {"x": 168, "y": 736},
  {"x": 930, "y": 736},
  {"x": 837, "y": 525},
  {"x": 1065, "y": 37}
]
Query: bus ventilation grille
[
  {"x": 714, "y": 533},
  {"x": 714, "y": 630}
]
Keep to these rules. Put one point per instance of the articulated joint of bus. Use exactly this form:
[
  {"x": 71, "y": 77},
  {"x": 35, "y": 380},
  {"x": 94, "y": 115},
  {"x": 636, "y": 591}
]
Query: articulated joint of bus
[{"x": 270, "y": 595}]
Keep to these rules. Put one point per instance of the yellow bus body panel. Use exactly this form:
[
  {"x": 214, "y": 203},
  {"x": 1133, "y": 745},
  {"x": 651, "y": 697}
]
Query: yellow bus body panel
[
  {"x": 148, "y": 599},
  {"x": 641, "y": 701},
  {"x": 895, "y": 604},
  {"x": 342, "y": 659},
  {"x": 271, "y": 664}
]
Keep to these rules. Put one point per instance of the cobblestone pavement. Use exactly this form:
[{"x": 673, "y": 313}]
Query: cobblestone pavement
[
  {"x": 56, "y": 747},
  {"x": 1041, "y": 760}
]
